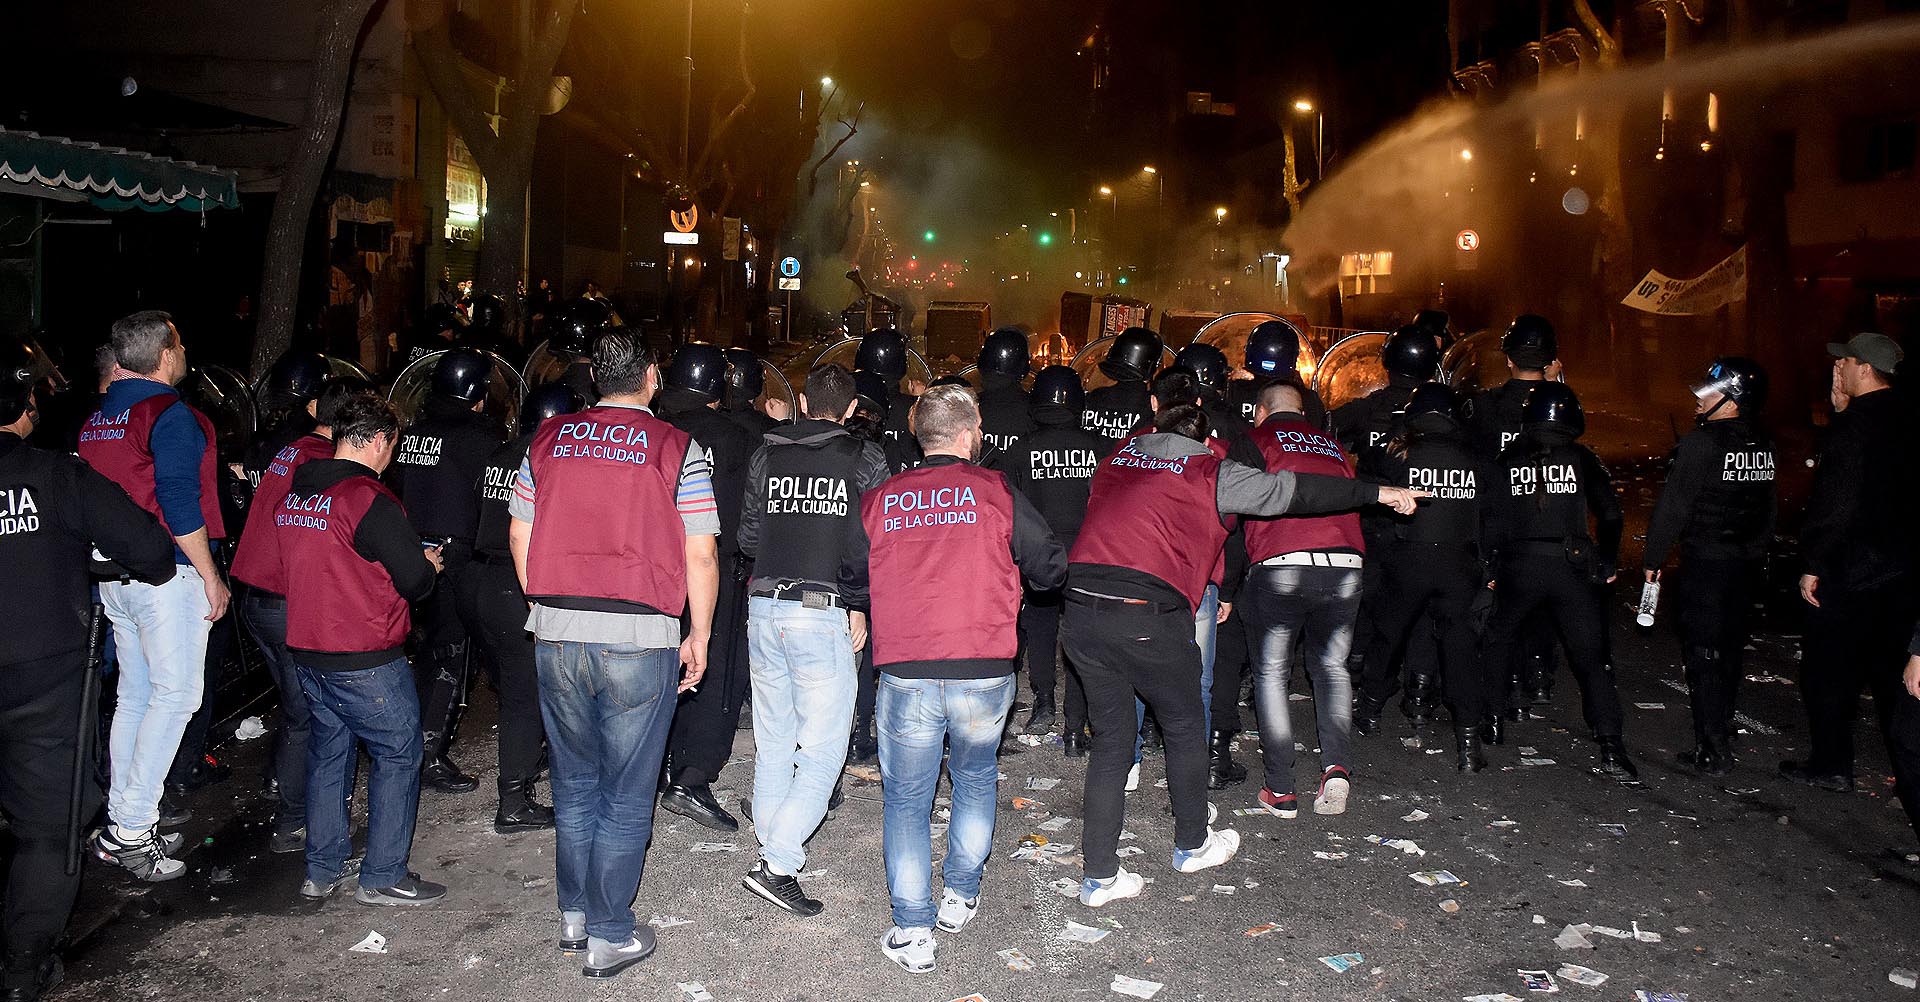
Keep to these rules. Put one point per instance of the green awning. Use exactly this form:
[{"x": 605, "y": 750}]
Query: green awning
[{"x": 111, "y": 177}]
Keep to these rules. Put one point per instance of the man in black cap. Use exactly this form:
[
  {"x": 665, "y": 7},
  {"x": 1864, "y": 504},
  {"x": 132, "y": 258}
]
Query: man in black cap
[
  {"x": 54, "y": 510},
  {"x": 703, "y": 728},
  {"x": 440, "y": 458},
  {"x": 1113, "y": 412},
  {"x": 1718, "y": 507},
  {"x": 1005, "y": 410},
  {"x": 1860, "y": 547},
  {"x": 436, "y": 331}
]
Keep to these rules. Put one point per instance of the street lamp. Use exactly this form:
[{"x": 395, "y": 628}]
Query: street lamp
[
  {"x": 1466, "y": 155},
  {"x": 1159, "y": 185},
  {"x": 1219, "y": 214},
  {"x": 1306, "y": 107},
  {"x": 826, "y": 81}
]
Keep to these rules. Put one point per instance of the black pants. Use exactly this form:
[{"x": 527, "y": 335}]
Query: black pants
[
  {"x": 1229, "y": 667},
  {"x": 1122, "y": 652},
  {"x": 493, "y": 611},
  {"x": 439, "y": 664},
  {"x": 1040, "y": 637},
  {"x": 1422, "y": 585},
  {"x": 265, "y": 616},
  {"x": 1530, "y": 583},
  {"x": 1714, "y": 598},
  {"x": 39, "y": 728},
  {"x": 1858, "y": 640},
  {"x": 1416, "y": 655},
  {"x": 703, "y": 727}
]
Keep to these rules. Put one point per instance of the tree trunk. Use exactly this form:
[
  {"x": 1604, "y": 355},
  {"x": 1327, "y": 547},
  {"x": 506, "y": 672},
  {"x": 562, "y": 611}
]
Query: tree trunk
[
  {"x": 504, "y": 235},
  {"x": 338, "y": 37}
]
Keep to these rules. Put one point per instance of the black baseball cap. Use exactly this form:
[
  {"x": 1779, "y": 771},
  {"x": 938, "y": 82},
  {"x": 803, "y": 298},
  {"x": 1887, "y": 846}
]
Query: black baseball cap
[{"x": 1877, "y": 350}]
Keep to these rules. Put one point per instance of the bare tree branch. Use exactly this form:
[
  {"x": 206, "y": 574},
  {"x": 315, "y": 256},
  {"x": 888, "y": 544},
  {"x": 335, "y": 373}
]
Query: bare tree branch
[
  {"x": 433, "y": 44},
  {"x": 717, "y": 132},
  {"x": 1603, "y": 40},
  {"x": 853, "y": 127}
]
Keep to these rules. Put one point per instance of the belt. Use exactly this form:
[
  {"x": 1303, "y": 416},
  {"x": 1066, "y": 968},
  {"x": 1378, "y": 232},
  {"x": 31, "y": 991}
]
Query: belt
[
  {"x": 271, "y": 600},
  {"x": 1313, "y": 558},
  {"x": 806, "y": 593},
  {"x": 492, "y": 559},
  {"x": 1117, "y": 603}
]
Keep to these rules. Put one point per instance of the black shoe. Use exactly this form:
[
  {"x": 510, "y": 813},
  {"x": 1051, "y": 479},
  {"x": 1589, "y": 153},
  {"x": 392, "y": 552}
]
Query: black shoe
[
  {"x": 697, "y": 804},
  {"x": 1705, "y": 761},
  {"x": 1366, "y": 720},
  {"x": 270, "y": 788},
  {"x": 1419, "y": 704},
  {"x": 1472, "y": 755},
  {"x": 443, "y": 775},
  {"x": 1514, "y": 714},
  {"x": 1539, "y": 697},
  {"x": 862, "y": 745},
  {"x": 46, "y": 980},
  {"x": 1222, "y": 770},
  {"x": 173, "y": 813},
  {"x": 782, "y": 891},
  {"x": 1155, "y": 742},
  {"x": 524, "y": 815},
  {"x": 1493, "y": 730},
  {"x": 411, "y": 890},
  {"x": 1614, "y": 761},
  {"x": 1804, "y": 772},
  {"x": 205, "y": 773},
  {"x": 1074, "y": 742},
  {"x": 838, "y": 797},
  {"x": 294, "y": 840},
  {"x": 1040, "y": 721},
  {"x": 609, "y": 962}
]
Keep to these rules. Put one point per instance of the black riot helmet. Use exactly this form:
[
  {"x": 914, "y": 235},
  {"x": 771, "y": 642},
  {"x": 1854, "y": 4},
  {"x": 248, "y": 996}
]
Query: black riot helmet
[
  {"x": 884, "y": 353},
  {"x": 441, "y": 317},
  {"x": 1005, "y": 352},
  {"x": 1058, "y": 386},
  {"x": 745, "y": 381},
  {"x": 1410, "y": 356},
  {"x": 20, "y": 369},
  {"x": 297, "y": 377},
  {"x": 1433, "y": 407},
  {"x": 1208, "y": 364},
  {"x": 700, "y": 369},
  {"x": 1530, "y": 342},
  {"x": 487, "y": 315},
  {"x": 874, "y": 390},
  {"x": 1134, "y": 355},
  {"x": 1740, "y": 380},
  {"x": 548, "y": 400},
  {"x": 1437, "y": 324},
  {"x": 462, "y": 374},
  {"x": 579, "y": 322},
  {"x": 1553, "y": 405},
  {"x": 1273, "y": 348}
]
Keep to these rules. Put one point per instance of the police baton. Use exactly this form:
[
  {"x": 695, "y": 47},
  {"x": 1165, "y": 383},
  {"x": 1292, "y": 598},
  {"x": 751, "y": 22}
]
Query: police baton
[{"x": 84, "y": 728}]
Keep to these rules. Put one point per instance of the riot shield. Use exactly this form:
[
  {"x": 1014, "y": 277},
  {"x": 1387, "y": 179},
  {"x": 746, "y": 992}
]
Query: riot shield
[
  {"x": 1229, "y": 334},
  {"x": 843, "y": 352},
  {"x": 505, "y": 389},
  {"x": 774, "y": 386},
  {"x": 1087, "y": 363},
  {"x": 1351, "y": 369},
  {"x": 337, "y": 367},
  {"x": 544, "y": 366},
  {"x": 224, "y": 397},
  {"x": 1475, "y": 363}
]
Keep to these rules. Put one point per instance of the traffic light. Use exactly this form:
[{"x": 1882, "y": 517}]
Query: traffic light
[
  {"x": 929, "y": 235},
  {"x": 1045, "y": 238},
  {"x": 1122, "y": 280}
]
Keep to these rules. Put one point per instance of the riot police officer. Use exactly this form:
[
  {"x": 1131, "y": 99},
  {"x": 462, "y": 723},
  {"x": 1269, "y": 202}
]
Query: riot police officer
[
  {"x": 1053, "y": 465},
  {"x": 1113, "y": 412},
  {"x": 876, "y": 404},
  {"x": 493, "y": 609},
  {"x": 1545, "y": 559},
  {"x": 1430, "y": 565},
  {"x": 1273, "y": 353},
  {"x": 440, "y": 457},
  {"x": 702, "y": 736},
  {"x": 439, "y": 328},
  {"x": 1005, "y": 409},
  {"x": 1209, "y": 367},
  {"x": 745, "y": 383},
  {"x": 1718, "y": 507},
  {"x": 54, "y": 510},
  {"x": 289, "y": 395},
  {"x": 487, "y": 327},
  {"x": 570, "y": 339},
  {"x": 884, "y": 353}
]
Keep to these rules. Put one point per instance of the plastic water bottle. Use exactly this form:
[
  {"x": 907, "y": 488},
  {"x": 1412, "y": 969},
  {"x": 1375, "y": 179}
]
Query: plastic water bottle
[{"x": 1649, "y": 603}]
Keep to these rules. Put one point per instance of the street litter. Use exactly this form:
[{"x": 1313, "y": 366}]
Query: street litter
[
  {"x": 1407, "y": 846},
  {"x": 975, "y": 997},
  {"x": 1539, "y": 919},
  {"x": 1642, "y": 995},
  {"x": 1538, "y": 981},
  {"x": 1575, "y": 882},
  {"x": 1904, "y": 978},
  {"x": 1604, "y": 930},
  {"x": 1224, "y": 888},
  {"x": 1042, "y": 784},
  {"x": 1026, "y": 803},
  {"x": 1135, "y": 987},
  {"x": 1317, "y": 854},
  {"x": 1496, "y": 997},
  {"x": 1343, "y": 962},
  {"x": 1410, "y": 742},
  {"x": 1016, "y": 961},
  {"x": 1450, "y": 906},
  {"x": 1262, "y": 929},
  {"x": 1055, "y": 849},
  {"x": 1649, "y": 706},
  {"x": 1127, "y": 836},
  {"x": 1077, "y": 933},
  {"x": 1129, "y": 850},
  {"x": 668, "y": 921},
  {"x": 1529, "y": 750},
  {"x": 374, "y": 943},
  {"x": 1503, "y": 823},
  {"x": 714, "y": 847},
  {"x": 695, "y": 991},
  {"x": 1581, "y": 975},
  {"x": 1434, "y": 878},
  {"x": 1620, "y": 830},
  {"x": 221, "y": 875},
  {"x": 1644, "y": 936},
  {"x": 1248, "y": 812},
  {"x": 1055, "y": 824},
  {"x": 1417, "y": 815},
  {"x": 471, "y": 962},
  {"x": 1571, "y": 938},
  {"x": 1537, "y": 761},
  {"x": 1160, "y": 784},
  {"x": 1066, "y": 887},
  {"x": 249, "y": 729},
  {"x": 1030, "y": 740}
]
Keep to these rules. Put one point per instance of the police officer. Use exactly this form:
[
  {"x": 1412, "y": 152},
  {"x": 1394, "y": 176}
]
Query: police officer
[
  {"x": 875, "y": 401},
  {"x": 884, "y": 352},
  {"x": 1209, "y": 367},
  {"x": 1718, "y": 507},
  {"x": 290, "y": 395},
  {"x": 441, "y": 456},
  {"x": 1545, "y": 558},
  {"x": 493, "y": 609},
  {"x": 54, "y": 509},
  {"x": 487, "y": 326},
  {"x": 745, "y": 382},
  {"x": 1273, "y": 352},
  {"x": 439, "y": 328},
  {"x": 570, "y": 339},
  {"x": 703, "y": 729},
  {"x": 1430, "y": 565},
  {"x": 1116, "y": 411},
  {"x": 1493, "y": 423},
  {"x": 1005, "y": 409},
  {"x": 1052, "y": 466}
]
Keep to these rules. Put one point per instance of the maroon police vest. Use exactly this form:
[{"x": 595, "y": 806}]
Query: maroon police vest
[
  {"x": 120, "y": 447},
  {"x": 352, "y": 606},
  {"x": 943, "y": 581},
  {"x": 1156, "y": 516},
  {"x": 257, "y": 561},
  {"x": 1293, "y": 445},
  {"x": 607, "y": 533}
]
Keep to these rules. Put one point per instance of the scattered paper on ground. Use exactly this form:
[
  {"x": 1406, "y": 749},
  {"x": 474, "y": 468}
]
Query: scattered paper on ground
[
  {"x": 1055, "y": 824},
  {"x": 1571, "y": 938},
  {"x": 668, "y": 921},
  {"x": 1407, "y": 846},
  {"x": 1016, "y": 961},
  {"x": 1262, "y": 929},
  {"x": 1129, "y": 850},
  {"x": 1495, "y": 997},
  {"x": 1077, "y": 933},
  {"x": 1041, "y": 784},
  {"x": 1343, "y": 962},
  {"x": 374, "y": 943},
  {"x": 695, "y": 991},
  {"x": 1317, "y": 854},
  {"x": 1538, "y": 981},
  {"x": 1135, "y": 987},
  {"x": 249, "y": 729},
  {"x": 1434, "y": 878},
  {"x": 714, "y": 847},
  {"x": 1417, "y": 815},
  {"x": 1224, "y": 888},
  {"x": 1581, "y": 975}
]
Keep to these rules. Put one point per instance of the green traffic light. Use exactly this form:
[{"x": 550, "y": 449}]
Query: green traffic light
[
  {"x": 1045, "y": 238},
  {"x": 1123, "y": 280},
  {"x": 929, "y": 236}
]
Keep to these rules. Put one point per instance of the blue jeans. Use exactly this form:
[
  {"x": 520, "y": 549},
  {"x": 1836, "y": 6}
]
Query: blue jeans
[
  {"x": 1204, "y": 630},
  {"x": 1287, "y": 607},
  {"x": 266, "y": 619},
  {"x": 160, "y": 637},
  {"x": 915, "y": 718},
  {"x": 803, "y": 691},
  {"x": 607, "y": 708},
  {"x": 376, "y": 707}
]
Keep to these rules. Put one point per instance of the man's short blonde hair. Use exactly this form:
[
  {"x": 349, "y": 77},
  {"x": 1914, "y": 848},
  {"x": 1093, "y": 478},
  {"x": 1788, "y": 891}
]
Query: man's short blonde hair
[{"x": 942, "y": 414}]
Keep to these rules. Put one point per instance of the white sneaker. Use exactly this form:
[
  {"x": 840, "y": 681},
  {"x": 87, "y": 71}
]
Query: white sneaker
[
  {"x": 912, "y": 949},
  {"x": 1217, "y": 849},
  {"x": 1094, "y": 893},
  {"x": 1133, "y": 778},
  {"x": 1332, "y": 798},
  {"x": 1213, "y": 812},
  {"x": 956, "y": 911}
]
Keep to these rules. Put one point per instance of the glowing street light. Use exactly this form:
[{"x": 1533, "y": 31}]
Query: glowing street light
[
  {"x": 1104, "y": 190},
  {"x": 1303, "y": 106},
  {"x": 1466, "y": 155},
  {"x": 1148, "y": 169},
  {"x": 1219, "y": 213},
  {"x": 826, "y": 81}
]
